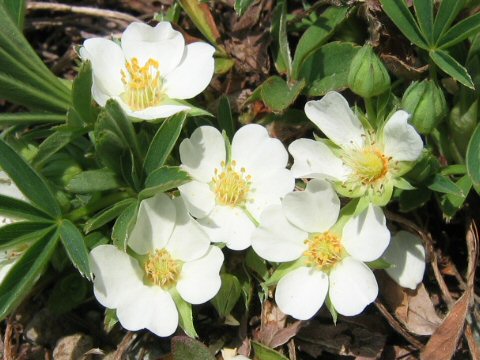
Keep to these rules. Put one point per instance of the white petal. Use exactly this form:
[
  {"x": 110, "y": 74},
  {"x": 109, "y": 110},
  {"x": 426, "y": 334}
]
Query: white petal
[
  {"x": 257, "y": 152},
  {"x": 108, "y": 62},
  {"x": 333, "y": 116},
  {"x": 200, "y": 279},
  {"x": 117, "y": 275},
  {"x": 314, "y": 210},
  {"x": 401, "y": 140},
  {"x": 8, "y": 187},
  {"x": 198, "y": 197},
  {"x": 150, "y": 308},
  {"x": 276, "y": 239},
  {"x": 406, "y": 254},
  {"x": 160, "y": 43},
  {"x": 154, "y": 112},
  {"x": 188, "y": 241},
  {"x": 366, "y": 236},
  {"x": 193, "y": 74},
  {"x": 203, "y": 152},
  {"x": 154, "y": 226},
  {"x": 352, "y": 287},
  {"x": 313, "y": 159},
  {"x": 269, "y": 190},
  {"x": 301, "y": 292},
  {"x": 230, "y": 226}
]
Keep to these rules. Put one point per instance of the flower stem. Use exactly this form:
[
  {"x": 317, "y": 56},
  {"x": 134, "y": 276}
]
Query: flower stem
[{"x": 371, "y": 112}]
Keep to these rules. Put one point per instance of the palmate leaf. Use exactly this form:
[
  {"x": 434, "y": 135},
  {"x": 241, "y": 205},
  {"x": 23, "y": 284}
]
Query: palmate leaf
[
  {"x": 451, "y": 66},
  {"x": 280, "y": 48},
  {"x": 30, "y": 118},
  {"x": 20, "y": 232},
  {"x": 225, "y": 118},
  {"x": 460, "y": 31},
  {"x": 19, "y": 209},
  {"x": 424, "y": 14},
  {"x": 16, "y": 9},
  {"x": 447, "y": 12},
  {"x": 74, "y": 244},
  {"x": 473, "y": 159}
]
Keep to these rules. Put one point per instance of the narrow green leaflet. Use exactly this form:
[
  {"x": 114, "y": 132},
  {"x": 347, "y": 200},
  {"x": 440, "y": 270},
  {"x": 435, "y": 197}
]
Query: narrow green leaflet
[
  {"x": 317, "y": 35},
  {"x": 124, "y": 226},
  {"x": 451, "y": 203},
  {"x": 228, "y": 295},
  {"x": 265, "y": 353},
  {"x": 163, "y": 179},
  {"x": 185, "y": 348},
  {"x": 163, "y": 142},
  {"x": 26, "y": 271},
  {"x": 460, "y": 31},
  {"x": 31, "y": 184},
  {"x": 473, "y": 158},
  {"x": 451, "y": 66},
  {"x": 82, "y": 94},
  {"x": 19, "y": 209},
  {"x": 30, "y": 118},
  {"x": 280, "y": 48},
  {"x": 444, "y": 185},
  {"x": 447, "y": 12},
  {"x": 424, "y": 14},
  {"x": 398, "y": 11},
  {"x": 107, "y": 215},
  {"x": 241, "y": 6},
  {"x": 224, "y": 117},
  {"x": 16, "y": 9},
  {"x": 20, "y": 232},
  {"x": 68, "y": 293},
  {"x": 74, "y": 244},
  {"x": 278, "y": 95},
  {"x": 94, "y": 180},
  {"x": 185, "y": 314}
]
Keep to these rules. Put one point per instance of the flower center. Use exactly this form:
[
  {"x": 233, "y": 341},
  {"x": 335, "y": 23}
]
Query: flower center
[
  {"x": 161, "y": 269},
  {"x": 231, "y": 187},
  {"x": 369, "y": 164},
  {"x": 143, "y": 84},
  {"x": 324, "y": 250}
]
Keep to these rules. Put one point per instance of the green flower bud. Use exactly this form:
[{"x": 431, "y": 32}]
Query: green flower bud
[
  {"x": 368, "y": 77},
  {"x": 426, "y": 103}
]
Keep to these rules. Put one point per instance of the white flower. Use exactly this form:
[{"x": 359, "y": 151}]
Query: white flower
[
  {"x": 229, "y": 189},
  {"x": 406, "y": 255},
  {"x": 150, "y": 69},
  {"x": 173, "y": 255},
  {"x": 331, "y": 256},
  {"x": 362, "y": 162}
]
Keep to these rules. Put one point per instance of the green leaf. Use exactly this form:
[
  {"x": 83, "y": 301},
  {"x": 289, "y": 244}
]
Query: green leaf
[
  {"x": 472, "y": 158},
  {"x": 82, "y": 94},
  {"x": 241, "y": 6},
  {"x": 460, "y": 31},
  {"x": 327, "y": 68},
  {"x": 228, "y": 295},
  {"x": 26, "y": 271},
  {"x": 282, "y": 270},
  {"x": 378, "y": 264},
  {"x": 29, "y": 118},
  {"x": 280, "y": 48},
  {"x": 413, "y": 199},
  {"x": 265, "y": 353},
  {"x": 185, "y": 314},
  {"x": 20, "y": 232},
  {"x": 447, "y": 12},
  {"x": 398, "y": 11},
  {"x": 164, "y": 179},
  {"x": 110, "y": 320},
  {"x": 256, "y": 264},
  {"x": 124, "y": 226},
  {"x": 107, "y": 215},
  {"x": 94, "y": 180},
  {"x": 163, "y": 142},
  {"x": 19, "y": 209},
  {"x": 444, "y": 185},
  {"x": 68, "y": 293},
  {"x": 451, "y": 66},
  {"x": 452, "y": 203},
  {"x": 185, "y": 348},
  {"x": 31, "y": 184},
  {"x": 16, "y": 10},
  {"x": 317, "y": 35},
  {"x": 424, "y": 14},
  {"x": 74, "y": 244},
  {"x": 224, "y": 117},
  {"x": 278, "y": 95}
]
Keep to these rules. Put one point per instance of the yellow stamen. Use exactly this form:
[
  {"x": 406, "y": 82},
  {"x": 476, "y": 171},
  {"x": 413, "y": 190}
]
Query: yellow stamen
[
  {"x": 231, "y": 187},
  {"x": 370, "y": 165},
  {"x": 161, "y": 269},
  {"x": 324, "y": 250}
]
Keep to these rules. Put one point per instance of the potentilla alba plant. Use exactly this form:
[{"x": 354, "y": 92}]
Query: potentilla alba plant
[
  {"x": 170, "y": 259},
  {"x": 329, "y": 254},
  {"x": 232, "y": 185},
  {"x": 149, "y": 70},
  {"x": 358, "y": 161}
]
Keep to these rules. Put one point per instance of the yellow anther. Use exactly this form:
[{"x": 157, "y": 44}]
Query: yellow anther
[
  {"x": 324, "y": 250},
  {"x": 161, "y": 269},
  {"x": 231, "y": 187}
]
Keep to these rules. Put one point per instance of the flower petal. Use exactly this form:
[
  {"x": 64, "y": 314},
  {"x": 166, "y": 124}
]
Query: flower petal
[
  {"x": 230, "y": 226},
  {"x": 160, "y": 43},
  {"x": 333, "y": 116},
  {"x": 200, "y": 279},
  {"x": 108, "y": 62},
  {"x": 193, "y": 74},
  {"x": 301, "y": 292},
  {"x": 406, "y": 254},
  {"x": 203, "y": 152},
  {"x": 401, "y": 140},
  {"x": 313, "y": 159},
  {"x": 366, "y": 236},
  {"x": 149, "y": 307},
  {"x": 154, "y": 112},
  {"x": 276, "y": 239},
  {"x": 117, "y": 275},
  {"x": 188, "y": 241},
  {"x": 154, "y": 226},
  {"x": 314, "y": 210},
  {"x": 352, "y": 287},
  {"x": 199, "y": 198}
]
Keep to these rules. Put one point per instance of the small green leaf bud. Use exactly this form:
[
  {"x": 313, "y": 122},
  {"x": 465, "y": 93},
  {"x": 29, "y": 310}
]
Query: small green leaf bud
[
  {"x": 367, "y": 76},
  {"x": 426, "y": 103}
]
